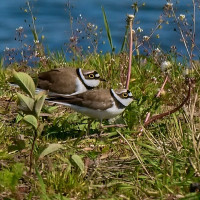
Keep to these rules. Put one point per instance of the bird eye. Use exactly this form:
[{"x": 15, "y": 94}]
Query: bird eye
[
  {"x": 91, "y": 75},
  {"x": 125, "y": 95}
]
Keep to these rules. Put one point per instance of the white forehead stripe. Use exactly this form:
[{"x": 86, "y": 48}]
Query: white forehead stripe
[
  {"x": 124, "y": 102},
  {"x": 97, "y": 75}
]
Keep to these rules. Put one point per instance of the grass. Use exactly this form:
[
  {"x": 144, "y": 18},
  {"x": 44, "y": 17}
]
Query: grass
[
  {"x": 160, "y": 163},
  {"x": 122, "y": 163}
]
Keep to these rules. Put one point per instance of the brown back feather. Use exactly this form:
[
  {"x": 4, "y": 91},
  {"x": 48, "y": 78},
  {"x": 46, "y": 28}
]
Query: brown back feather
[
  {"x": 94, "y": 99},
  {"x": 57, "y": 80}
]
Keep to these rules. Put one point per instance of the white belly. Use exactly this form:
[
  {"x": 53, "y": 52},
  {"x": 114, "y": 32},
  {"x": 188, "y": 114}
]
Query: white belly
[
  {"x": 97, "y": 114},
  {"x": 80, "y": 87}
]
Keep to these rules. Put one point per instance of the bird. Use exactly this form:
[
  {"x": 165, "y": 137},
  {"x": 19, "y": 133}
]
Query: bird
[
  {"x": 98, "y": 103},
  {"x": 68, "y": 81}
]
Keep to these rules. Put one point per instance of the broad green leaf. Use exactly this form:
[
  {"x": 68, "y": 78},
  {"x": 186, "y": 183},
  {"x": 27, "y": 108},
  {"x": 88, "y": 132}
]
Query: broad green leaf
[
  {"x": 39, "y": 103},
  {"x": 50, "y": 149},
  {"x": 77, "y": 159},
  {"x": 30, "y": 119},
  {"x": 25, "y": 82},
  {"x": 25, "y": 103}
]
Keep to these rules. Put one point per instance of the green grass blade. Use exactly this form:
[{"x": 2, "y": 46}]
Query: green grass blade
[
  {"x": 42, "y": 185},
  {"x": 125, "y": 39},
  {"x": 107, "y": 29}
]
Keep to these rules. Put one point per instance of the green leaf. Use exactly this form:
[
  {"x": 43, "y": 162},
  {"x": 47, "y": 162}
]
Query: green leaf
[
  {"x": 25, "y": 103},
  {"x": 19, "y": 117},
  {"x": 25, "y": 82},
  {"x": 30, "y": 119},
  {"x": 77, "y": 159},
  {"x": 50, "y": 149},
  {"x": 39, "y": 104},
  {"x": 107, "y": 29}
]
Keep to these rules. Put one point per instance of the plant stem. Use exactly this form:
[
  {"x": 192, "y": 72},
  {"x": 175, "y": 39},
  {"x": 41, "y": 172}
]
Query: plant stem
[
  {"x": 32, "y": 148},
  {"x": 160, "y": 116},
  {"x": 163, "y": 85},
  {"x": 194, "y": 26},
  {"x": 130, "y": 18},
  {"x": 33, "y": 21},
  {"x": 158, "y": 95}
]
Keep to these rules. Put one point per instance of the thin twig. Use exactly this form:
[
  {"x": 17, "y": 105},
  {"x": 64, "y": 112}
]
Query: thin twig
[
  {"x": 141, "y": 43},
  {"x": 182, "y": 35},
  {"x": 33, "y": 20},
  {"x": 194, "y": 26},
  {"x": 185, "y": 43}
]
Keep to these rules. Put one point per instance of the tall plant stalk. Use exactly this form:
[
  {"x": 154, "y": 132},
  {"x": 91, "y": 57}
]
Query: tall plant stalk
[
  {"x": 32, "y": 149},
  {"x": 130, "y": 21}
]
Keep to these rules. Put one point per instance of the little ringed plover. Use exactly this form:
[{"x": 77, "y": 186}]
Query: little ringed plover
[
  {"x": 68, "y": 81},
  {"x": 99, "y": 104}
]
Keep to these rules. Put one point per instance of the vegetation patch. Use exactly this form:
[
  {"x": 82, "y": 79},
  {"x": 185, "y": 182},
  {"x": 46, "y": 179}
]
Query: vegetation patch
[{"x": 46, "y": 153}]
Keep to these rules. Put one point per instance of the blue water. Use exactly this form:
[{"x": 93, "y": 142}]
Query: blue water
[{"x": 53, "y": 22}]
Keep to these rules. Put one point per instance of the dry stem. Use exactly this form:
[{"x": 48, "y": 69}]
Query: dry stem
[{"x": 130, "y": 52}]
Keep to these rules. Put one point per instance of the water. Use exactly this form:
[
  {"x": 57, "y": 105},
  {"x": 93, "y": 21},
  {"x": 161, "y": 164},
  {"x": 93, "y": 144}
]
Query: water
[{"x": 53, "y": 22}]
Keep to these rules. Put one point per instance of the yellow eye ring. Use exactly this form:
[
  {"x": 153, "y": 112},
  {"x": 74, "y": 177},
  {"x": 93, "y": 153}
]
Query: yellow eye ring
[
  {"x": 91, "y": 75},
  {"x": 125, "y": 95}
]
